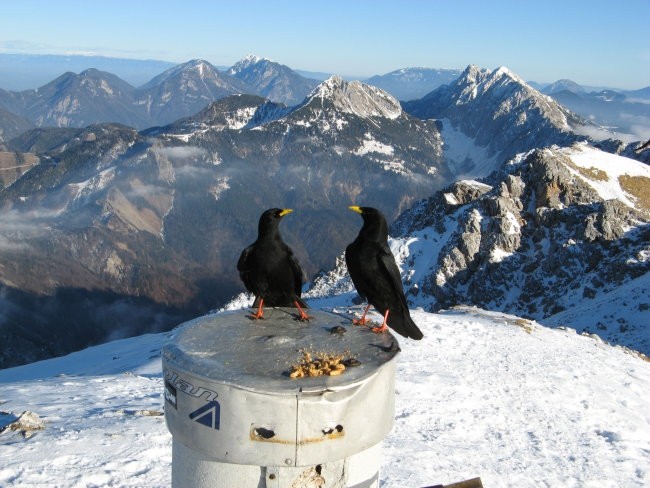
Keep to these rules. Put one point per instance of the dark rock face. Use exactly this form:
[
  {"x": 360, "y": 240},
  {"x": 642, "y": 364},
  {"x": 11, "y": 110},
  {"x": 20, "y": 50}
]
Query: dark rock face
[{"x": 538, "y": 242}]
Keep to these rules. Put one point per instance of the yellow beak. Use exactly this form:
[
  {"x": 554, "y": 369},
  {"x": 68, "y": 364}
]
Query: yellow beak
[
  {"x": 285, "y": 211},
  {"x": 355, "y": 208}
]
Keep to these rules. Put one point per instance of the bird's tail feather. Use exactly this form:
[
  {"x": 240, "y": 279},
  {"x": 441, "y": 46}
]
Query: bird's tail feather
[{"x": 403, "y": 324}]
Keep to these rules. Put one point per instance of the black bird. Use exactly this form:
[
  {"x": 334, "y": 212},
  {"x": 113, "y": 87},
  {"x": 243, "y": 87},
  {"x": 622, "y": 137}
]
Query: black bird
[
  {"x": 269, "y": 269},
  {"x": 375, "y": 275}
]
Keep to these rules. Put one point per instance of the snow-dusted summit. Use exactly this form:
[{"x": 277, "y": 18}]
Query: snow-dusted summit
[
  {"x": 244, "y": 63},
  {"x": 356, "y": 97},
  {"x": 500, "y": 112}
]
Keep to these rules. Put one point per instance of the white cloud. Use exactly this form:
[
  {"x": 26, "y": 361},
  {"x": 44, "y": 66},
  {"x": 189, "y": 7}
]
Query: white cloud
[
  {"x": 182, "y": 152},
  {"x": 17, "y": 227}
]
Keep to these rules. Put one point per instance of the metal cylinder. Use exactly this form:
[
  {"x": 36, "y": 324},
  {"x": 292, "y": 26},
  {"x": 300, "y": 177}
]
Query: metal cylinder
[{"x": 238, "y": 418}]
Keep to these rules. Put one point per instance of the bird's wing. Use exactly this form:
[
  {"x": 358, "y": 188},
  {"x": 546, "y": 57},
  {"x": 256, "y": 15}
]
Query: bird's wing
[
  {"x": 297, "y": 274},
  {"x": 244, "y": 268},
  {"x": 387, "y": 262}
]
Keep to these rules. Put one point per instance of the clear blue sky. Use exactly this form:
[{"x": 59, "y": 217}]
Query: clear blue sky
[{"x": 592, "y": 42}]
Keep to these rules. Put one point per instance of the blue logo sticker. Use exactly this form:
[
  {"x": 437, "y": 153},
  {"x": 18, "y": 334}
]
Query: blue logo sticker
[{"x": 208, "y": 415}]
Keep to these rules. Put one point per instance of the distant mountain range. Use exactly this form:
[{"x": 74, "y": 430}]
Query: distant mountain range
[
  {"x": 94, "y": 96},
  {"x": 413, "y": 83},
  {"x": 97, "y": 96},
  {"x": 623, "y": 112},
  {"x": 151, "y": 223},
  {"x": 274, "y": 81},
  {"x": 110, "y": 231},
  {"x": 29, "y": 71}
]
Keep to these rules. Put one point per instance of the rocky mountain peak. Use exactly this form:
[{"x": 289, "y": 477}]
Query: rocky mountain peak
[
  {"x": 355, "y": 97},
  {"x": 246, "y": 62},
  {"x": 556, "y": 233},
  {"x": 555, "y": 227},
  {"x": 501, "y": 112}
]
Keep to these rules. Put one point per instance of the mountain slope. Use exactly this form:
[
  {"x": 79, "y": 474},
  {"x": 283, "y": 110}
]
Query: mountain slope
[
  {"x": 74, "y": 100},
  {"x": 152, "y": 223},
  {"x": 12, "y": 125},
  {"x": 185, "y": 89},
  {"x": 500, "y": 112},
  {"x": 528, "y": 402},
  {"x": 556, "y": 232}
]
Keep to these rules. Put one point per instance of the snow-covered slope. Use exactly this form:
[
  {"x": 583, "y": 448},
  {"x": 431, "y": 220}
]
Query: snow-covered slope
[
  {"x": 484, "y": 394},
  {"x": 556, "y": 233}
]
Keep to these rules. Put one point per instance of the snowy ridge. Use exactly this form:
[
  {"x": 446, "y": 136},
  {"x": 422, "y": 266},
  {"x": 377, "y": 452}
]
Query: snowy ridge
[
  {"x": 500, "y": 113},
  {"x": 606, "y": 172},
  {"x": 559, "y": 232},
  {"x": 512, "y": 89},
  {"x": 357, "y": 98},
  {"x": 532, "y": 405}
]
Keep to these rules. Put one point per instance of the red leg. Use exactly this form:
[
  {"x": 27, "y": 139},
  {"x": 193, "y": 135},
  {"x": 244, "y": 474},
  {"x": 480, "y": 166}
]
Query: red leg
[
  {"x": 383, "y": 326},
  {"x": 260, "y": 311},
  {"x": 303, "y": 316},
  {"x": 362, "y": 320}
]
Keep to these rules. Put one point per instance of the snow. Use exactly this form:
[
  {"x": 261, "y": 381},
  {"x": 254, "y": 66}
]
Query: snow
[
  {"x": 93, "y": 184},
  {"x": 626, "y": 306},
  {"x": 463, "y": 156},
  {"x": 497, "y": 255},
  {"x": 240, "y": 117},
  {"x": 357, "y": 98},
  {"x": 219, "y": 187},
  {"x": 484, "y": 394},
  {"x": 605, "y": 169},
  {"x": 370, "y": 145}
]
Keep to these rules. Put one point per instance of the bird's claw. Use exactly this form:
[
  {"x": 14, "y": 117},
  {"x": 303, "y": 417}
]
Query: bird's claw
[
  {"x": 380, "y": 329},
  {"x": 361, "y": 321},
  {"x": 303, "y": 318}
]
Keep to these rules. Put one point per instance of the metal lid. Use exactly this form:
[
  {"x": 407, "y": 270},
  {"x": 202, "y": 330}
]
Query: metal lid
[{"x": 257, "y": 355}]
